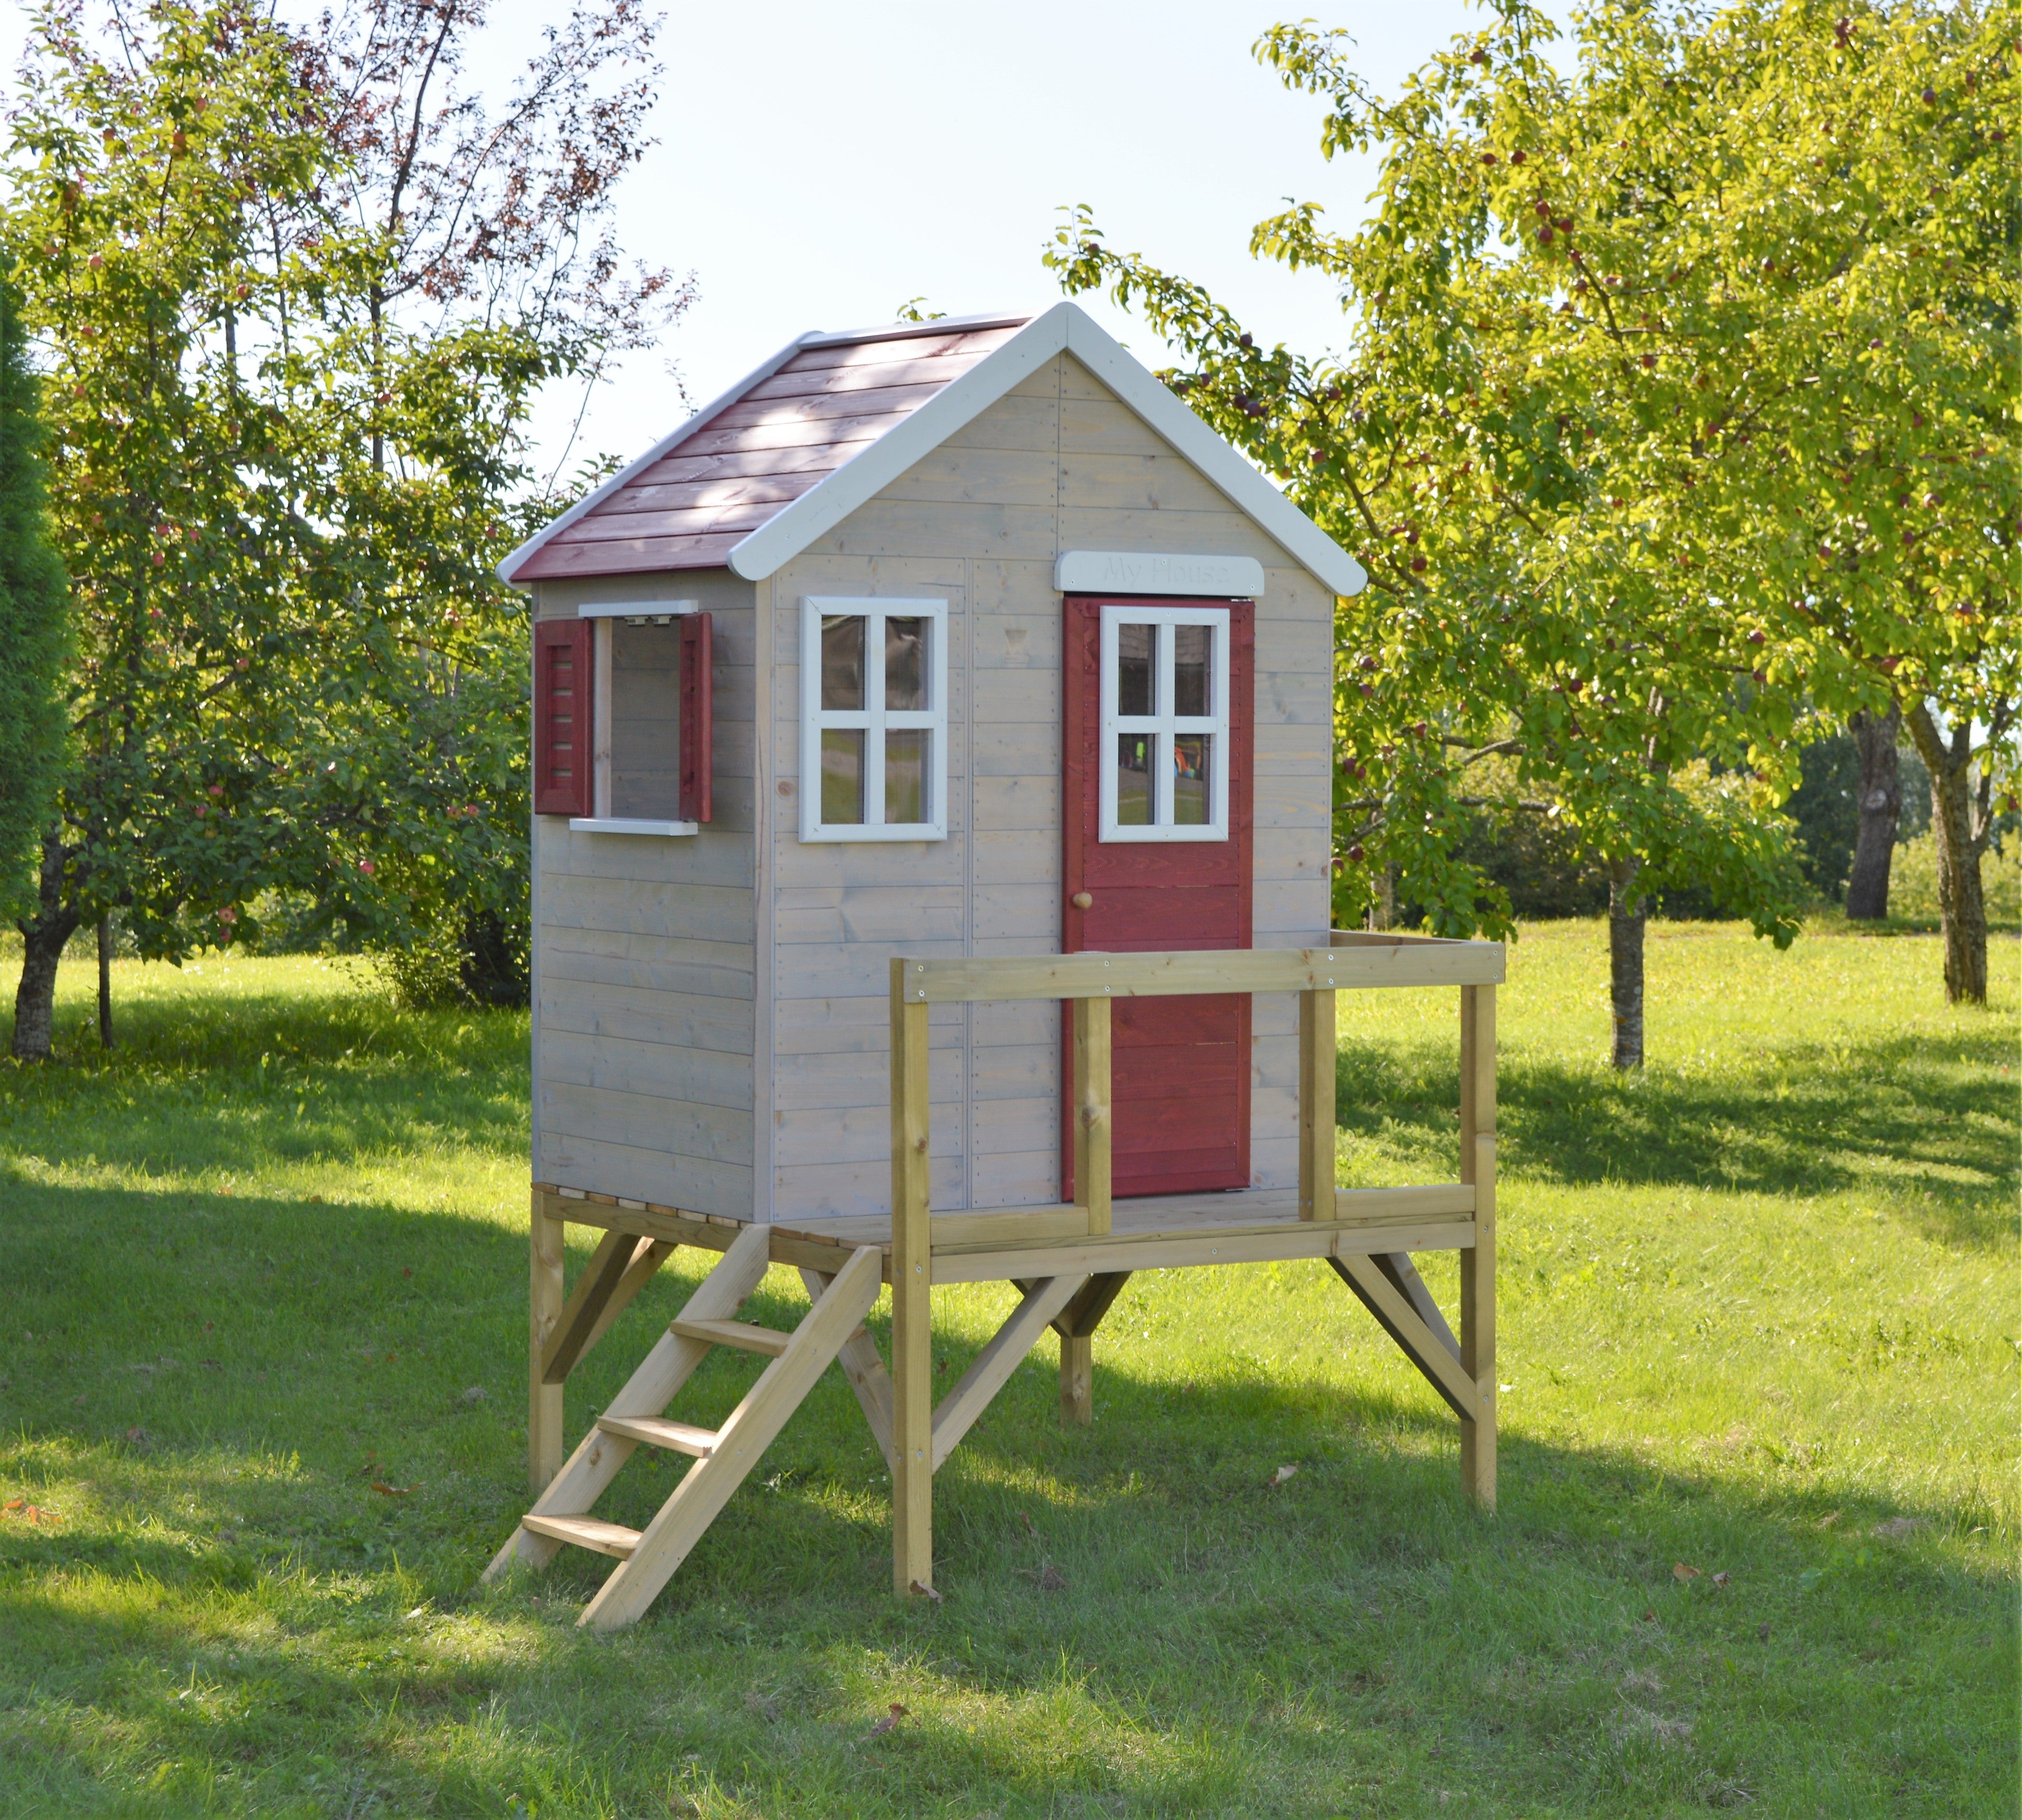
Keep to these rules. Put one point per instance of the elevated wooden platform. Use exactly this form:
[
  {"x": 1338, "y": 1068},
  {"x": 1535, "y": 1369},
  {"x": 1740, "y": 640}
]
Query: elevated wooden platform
[
  {"x": 1068, "y": 1259},
  {"x": 1159, "y": 1232}
]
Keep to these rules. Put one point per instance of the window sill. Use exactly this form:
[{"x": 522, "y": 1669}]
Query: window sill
[{"x": 616, "y": 825}]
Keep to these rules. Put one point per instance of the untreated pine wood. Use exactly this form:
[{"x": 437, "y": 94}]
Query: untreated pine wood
[
  {"x": 992, "y": 1367},
  {"x": 1477, "y": 1262},
  {"x": 664, "y": 1544},
  {"x": 620, "y": 1267},
  {"x": 1398, "y": 1318},
  {"x": 1317, "y": 1105},
  {"x": 969, "y": 979},
  {"x": 544, "y": 1439},
  {"x": 912, "y": 1299},
  {"x": 672, "y": 1360},
  {"x": 1093, "y": 1124},
  {"x": 1076, "y": 1325},
  {"x": 864, "y": 1367}
]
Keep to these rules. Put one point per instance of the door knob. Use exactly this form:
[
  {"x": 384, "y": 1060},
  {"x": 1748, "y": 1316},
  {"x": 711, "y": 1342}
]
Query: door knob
[{"x": 1081, "y": 900}]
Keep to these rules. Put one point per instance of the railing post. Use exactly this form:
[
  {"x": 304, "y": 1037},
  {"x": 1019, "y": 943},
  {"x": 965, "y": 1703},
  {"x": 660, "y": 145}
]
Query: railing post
[
  {"x": 1093, "y": 1126},
  {"x": 1317, "y": 1104},
  {"x": 546, "y": 1300},
  {"x": 1477, "y": 1264},
  {"x": 912, "y": 1299}
]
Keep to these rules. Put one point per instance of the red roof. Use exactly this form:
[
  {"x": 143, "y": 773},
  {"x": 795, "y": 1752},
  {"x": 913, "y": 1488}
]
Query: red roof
[{"x": 749, "y": 455}]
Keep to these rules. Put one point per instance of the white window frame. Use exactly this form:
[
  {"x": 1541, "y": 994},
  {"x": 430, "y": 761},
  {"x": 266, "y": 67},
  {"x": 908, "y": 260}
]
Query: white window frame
[
  {"x": 601, "y": 614},
  {"x": 873, "y": 718},
  {"x": 1162, "y": 725}
]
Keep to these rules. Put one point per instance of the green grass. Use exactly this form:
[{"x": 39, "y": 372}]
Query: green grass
[{"x": 1758, "y": 1317}]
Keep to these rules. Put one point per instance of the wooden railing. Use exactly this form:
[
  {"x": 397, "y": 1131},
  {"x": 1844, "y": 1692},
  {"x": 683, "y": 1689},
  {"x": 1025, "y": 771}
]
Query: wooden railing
[{"x": 1092, "y": 983}]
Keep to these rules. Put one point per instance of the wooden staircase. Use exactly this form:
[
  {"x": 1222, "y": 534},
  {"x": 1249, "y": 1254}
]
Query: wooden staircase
[{"x": 647, "y": 1558}]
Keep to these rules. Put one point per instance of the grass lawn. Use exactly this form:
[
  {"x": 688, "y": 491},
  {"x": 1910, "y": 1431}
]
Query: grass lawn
[{"x": 261, "y": 1425}]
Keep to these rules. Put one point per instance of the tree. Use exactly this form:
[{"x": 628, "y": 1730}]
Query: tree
[
  {"x": 1879, "y": 800},
  {"x": 1602, "y": 378},
  {"x": 33, "y": 625},
  {"x": 291, "y": 443},
  {"x": 1513, "y": 612}
]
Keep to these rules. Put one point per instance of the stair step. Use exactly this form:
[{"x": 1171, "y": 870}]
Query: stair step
[
  {"x": 585, "y": 1532},
  {"x": 658, "y": 1432},
  {"x": 741, "y": 1334}
]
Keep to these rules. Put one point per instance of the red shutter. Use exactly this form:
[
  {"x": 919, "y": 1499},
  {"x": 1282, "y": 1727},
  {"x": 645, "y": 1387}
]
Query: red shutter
[
  {"x": 697, "y": 728},
  {"x": 563, "y": 693}
]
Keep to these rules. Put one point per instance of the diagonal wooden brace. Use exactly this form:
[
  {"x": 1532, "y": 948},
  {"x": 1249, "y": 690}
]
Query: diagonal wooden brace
[
  {"x": 864, "y": 1367},
  {"x": 993, "y": 1366},
  {"x": 1404, "y": 1277},
  {"x": 1397, "y": 1317},
  {"x": 620, "y": 1267}
]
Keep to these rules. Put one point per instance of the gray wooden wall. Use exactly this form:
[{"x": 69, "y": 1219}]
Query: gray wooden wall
[
  {"x": 643, "y": 960},
  {"x": 1058, "y": 464},
  {"x": 691, "y": 1051}
]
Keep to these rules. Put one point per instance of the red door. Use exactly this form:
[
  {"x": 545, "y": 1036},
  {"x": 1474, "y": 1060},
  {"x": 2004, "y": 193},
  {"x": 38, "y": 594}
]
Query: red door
[{"x": 1181, "y": 1066}]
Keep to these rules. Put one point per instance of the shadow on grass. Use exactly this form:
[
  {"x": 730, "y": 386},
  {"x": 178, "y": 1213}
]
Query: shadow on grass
[
  {"x": 1927, "y": 1119},
  {"x": 265, "y": 1456}
]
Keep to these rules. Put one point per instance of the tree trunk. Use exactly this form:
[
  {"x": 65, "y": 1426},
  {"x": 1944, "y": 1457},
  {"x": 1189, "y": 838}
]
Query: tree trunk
[
  {"x": 1880, "y": 809},
  {"x": 105, "y": 982},
  {"x": 42, "y": 946},
  {"x": 1627, "y": 909},
  {"x": 1962, "y": 907}
]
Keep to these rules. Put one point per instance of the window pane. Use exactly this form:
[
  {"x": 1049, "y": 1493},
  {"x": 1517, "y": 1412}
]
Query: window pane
[
  {"x": 1191, "y": 753},
  {"x": 1133, "y": 779},
  {"x": 645, "y": 715},
  {"x": 842, "y": 663},
  {"x": 1190, "y": 672},
  {"x": 842, "y": 773},
  {"x": 905, "y": 774},
  {"x": 1133, "y": 670},
  {"x": 906, "y": 666}
]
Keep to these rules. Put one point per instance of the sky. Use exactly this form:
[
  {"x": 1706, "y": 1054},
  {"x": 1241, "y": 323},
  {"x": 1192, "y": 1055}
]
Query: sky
[
  {"x": 819, "y": 164},
  {"x": 821, "y": 161}
]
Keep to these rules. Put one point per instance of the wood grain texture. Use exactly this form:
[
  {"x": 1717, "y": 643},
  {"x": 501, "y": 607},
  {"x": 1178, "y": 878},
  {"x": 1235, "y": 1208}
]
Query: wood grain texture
[
  {"x": 1477, "y": 1264},
  {"x": 546, "y": 1300},
  {"x": 912, "y": 1301}
]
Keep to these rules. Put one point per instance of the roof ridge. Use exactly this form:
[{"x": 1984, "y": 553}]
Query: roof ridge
[{"x": 904, "y": 331}]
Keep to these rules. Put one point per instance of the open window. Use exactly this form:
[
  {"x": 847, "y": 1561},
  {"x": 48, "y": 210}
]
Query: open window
[
  {"x": 1164, "y": 742},
  {"x": 622, "y": 718},
  {"x": 874, "y": 719}
]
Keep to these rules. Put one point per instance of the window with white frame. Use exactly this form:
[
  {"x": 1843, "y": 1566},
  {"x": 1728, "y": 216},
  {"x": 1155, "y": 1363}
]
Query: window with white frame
[
  {"x": 1165, "y": 723},
  {"x": 874, "y": 719},
  {"x": 636, "y": 786}
]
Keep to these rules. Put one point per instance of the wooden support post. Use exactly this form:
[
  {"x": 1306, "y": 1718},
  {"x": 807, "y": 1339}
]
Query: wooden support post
[
  {"x": 1317, "y": 1051},
  {"x": 1076, "y": 1324},
  {"x": 1092, "y": 1161},
  {"x": 912, "y": 1300},
  {"x": 1477, "y": 1264},
  {"x": 544, "y": 1408}
]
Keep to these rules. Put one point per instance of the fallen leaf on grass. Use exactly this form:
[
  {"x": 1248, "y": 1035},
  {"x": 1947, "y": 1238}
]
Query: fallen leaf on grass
[
  {"x": 897, "y": 1712},
  {"x": 140, "y": 1440},
  {"x": 386, "y": 1490},
  {"x": 30, "y": 1513},
  {"x": 1827, "y": 1521},
  {"x": 1681, "y": 1573},
  {"x": 1048, "y": 1578},
  {"x": 1279, "y": 1477},
  {"x": 1720, "y": 1579},
  {"x": 1896, "y": 1528},
  {"x": 926, "y": 1592},
  {"x": 475, "y": 1394}
]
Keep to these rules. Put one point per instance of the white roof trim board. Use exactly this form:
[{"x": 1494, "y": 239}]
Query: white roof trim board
[{"x": 1064, "y": 328}]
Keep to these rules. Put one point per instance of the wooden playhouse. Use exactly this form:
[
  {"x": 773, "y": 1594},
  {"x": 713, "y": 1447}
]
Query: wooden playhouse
[{"x": 932, "y": 775}]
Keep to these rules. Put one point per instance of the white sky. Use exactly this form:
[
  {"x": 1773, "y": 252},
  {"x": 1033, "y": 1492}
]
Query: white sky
[{"x": 820, "y": 163}]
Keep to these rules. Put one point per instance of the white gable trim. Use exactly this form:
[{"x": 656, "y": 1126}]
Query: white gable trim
[
  {"x": 1064, "y": 328},
  {"x": 625, "y": 476},
  {"x": 1153, "y": 572}
]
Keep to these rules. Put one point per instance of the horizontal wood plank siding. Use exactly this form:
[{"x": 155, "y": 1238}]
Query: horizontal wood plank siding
[{"x": 645, "y": 1022}]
